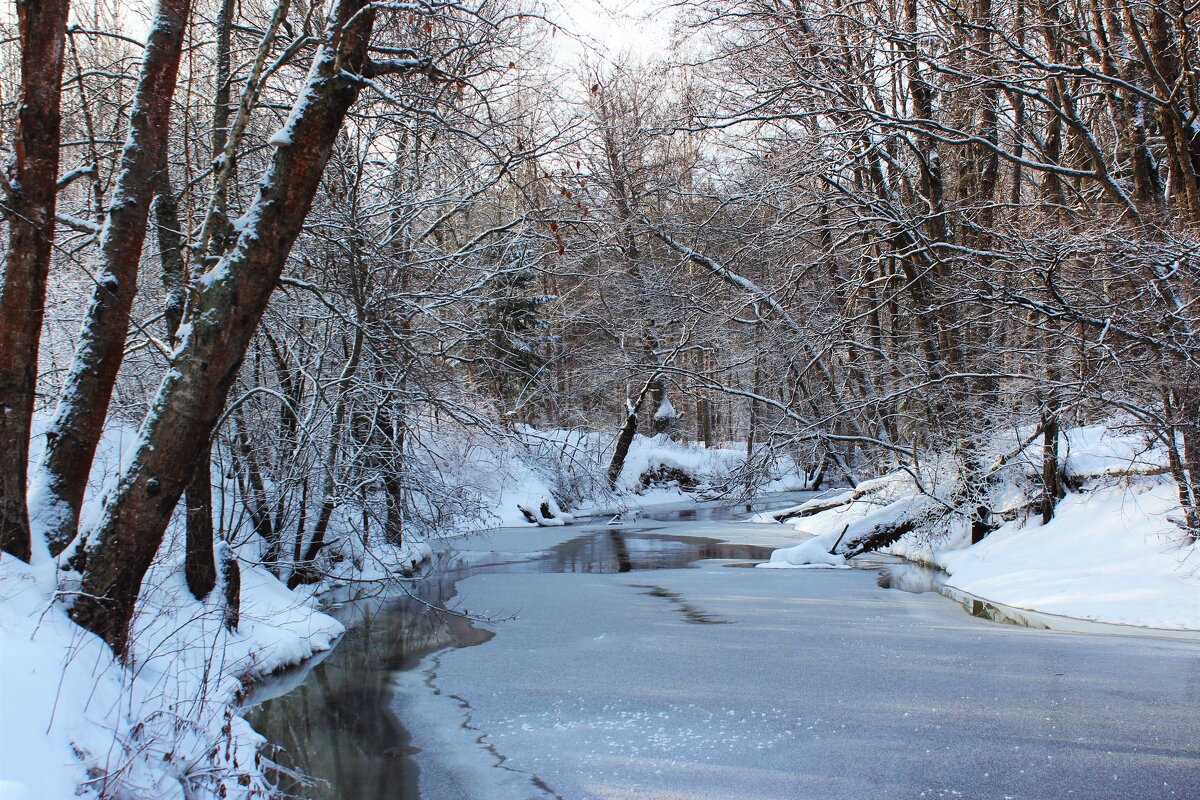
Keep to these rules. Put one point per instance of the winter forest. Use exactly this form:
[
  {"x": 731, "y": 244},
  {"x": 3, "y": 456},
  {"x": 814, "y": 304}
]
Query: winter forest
[{"x": 298, "y": 294}]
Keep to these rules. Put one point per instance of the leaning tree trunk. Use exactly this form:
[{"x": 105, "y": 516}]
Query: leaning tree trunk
[
  {"x": 1051, "y": 476},
  {"x": 33, "y": 178},
  {"x": 624, "y": 440},
  {"x": 232, "y": 300},
  {"x": 629, "y": 429},
  {"x": 74, "y": 434}
]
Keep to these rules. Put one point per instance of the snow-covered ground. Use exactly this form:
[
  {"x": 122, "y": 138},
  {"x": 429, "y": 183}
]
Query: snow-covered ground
[
  {"x": 1114, "y": 551},
  {"x": 803, "y": 684},
  {"x": 570, "y": 465},
  {"x": 1107, "y": 556}
]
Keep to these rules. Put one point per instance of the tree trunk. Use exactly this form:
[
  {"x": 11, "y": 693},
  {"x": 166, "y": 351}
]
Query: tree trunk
[
  {"x": 78, "y": 423},
  {"x": 192, "y": 396},
  {"x": 1190, "y": 429},
  {"x": 170, "y": 254},
  {"x": 629, "y": 429},
  {"x": 199, "y": 563},
  {"x": 1051, "y": 478},
  {"x": 231, "y": 577},
  {"x": 393, "y": 527},
  {"x": 33, "y": 176}
]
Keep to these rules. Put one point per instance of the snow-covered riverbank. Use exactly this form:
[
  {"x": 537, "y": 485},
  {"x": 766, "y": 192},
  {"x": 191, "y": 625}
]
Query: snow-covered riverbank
[
  {"x": 1113, "y": 552},
  {"x": 75, "y": 718}
]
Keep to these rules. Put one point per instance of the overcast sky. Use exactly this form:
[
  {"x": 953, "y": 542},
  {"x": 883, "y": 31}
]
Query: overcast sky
[{"x": 615, "y": 26}]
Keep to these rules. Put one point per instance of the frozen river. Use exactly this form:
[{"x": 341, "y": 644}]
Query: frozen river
[{"x": 609, "y": 663}]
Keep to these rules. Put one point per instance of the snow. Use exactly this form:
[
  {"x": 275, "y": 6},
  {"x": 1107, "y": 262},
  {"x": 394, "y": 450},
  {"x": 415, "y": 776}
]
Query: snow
[
  {"x": 1108, "y": 555},
  {"x": 1114, "y": 551},
  {"x": 576, "y": 692},
  {"x": 813, "y": 553},
  {"x": 165, "y": 726},
  {"x": 569, "y": 468}
]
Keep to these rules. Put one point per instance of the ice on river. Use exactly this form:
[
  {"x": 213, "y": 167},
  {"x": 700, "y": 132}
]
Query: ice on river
[{"x": 717, "y": 682}]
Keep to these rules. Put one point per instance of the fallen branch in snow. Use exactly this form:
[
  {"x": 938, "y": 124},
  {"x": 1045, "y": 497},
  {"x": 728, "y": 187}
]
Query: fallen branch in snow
[
  {"x": 813, "y": 508},
  {"x": 819, "y": 505},
  {"x": 877, "y": 537},
  {"x": 833, "y": 549}
]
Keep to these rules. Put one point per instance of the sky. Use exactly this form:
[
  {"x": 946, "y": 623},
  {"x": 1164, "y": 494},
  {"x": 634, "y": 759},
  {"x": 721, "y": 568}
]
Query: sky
[
  {"x": 641, "y": 27},
  {"x": 598, "y": 26}
]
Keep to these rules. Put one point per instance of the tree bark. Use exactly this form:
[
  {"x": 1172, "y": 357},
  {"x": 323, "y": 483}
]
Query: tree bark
[
  {"x": 231, "y": 302},
  {"x": 393, "y": 526},
  {"x": 200, "y": 566},
  {"x": 629, "y": 429},
  {"x": 231, "y": 576},
  {"x": 170, "y": 254},
  {"x": 29, "y": 209},
  {"x": 199, "y": 561},
  {"x": 78, "y": 423},
  {"x": 1051, "y": 478}
]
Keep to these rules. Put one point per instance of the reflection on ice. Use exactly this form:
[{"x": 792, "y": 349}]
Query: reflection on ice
[{"x": 331, "y": 718}]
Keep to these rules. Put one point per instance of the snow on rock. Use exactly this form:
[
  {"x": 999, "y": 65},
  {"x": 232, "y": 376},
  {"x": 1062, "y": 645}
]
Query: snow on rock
[
  {"x": 651, "y": 454},
  {"x": 546, "y": 513}
]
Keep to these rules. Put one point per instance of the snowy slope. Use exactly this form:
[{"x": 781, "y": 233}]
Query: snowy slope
[
  {"x": 72, "y": 714},
  {"x": 1114, "y": 551},
  {"x": 1109, "y": 554}
]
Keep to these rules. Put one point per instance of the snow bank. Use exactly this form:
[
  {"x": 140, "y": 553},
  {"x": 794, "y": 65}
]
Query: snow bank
[
  {"x": 165, "y": 727},
  {"x": 846, "y": 523},
  {"x": 1110, "y": 554},
  {"x": 1114, "y": 551},
  {"x": 813, "y": 553},
  {"x": 569, "y": 469}
]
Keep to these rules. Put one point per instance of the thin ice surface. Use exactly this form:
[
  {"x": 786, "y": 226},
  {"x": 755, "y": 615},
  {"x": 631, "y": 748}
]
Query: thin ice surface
[{"x": 820, "y": 685}]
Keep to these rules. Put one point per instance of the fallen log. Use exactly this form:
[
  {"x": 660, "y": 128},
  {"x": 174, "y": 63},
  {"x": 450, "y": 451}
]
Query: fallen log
[{"x": 877, "y": 537}]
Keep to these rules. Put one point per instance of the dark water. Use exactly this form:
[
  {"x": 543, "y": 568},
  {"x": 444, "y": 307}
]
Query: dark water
[
  {"x": 915, "y": 578},
  {"x": 918, "y": 578},
  {"x": 332, "y": 718}
]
